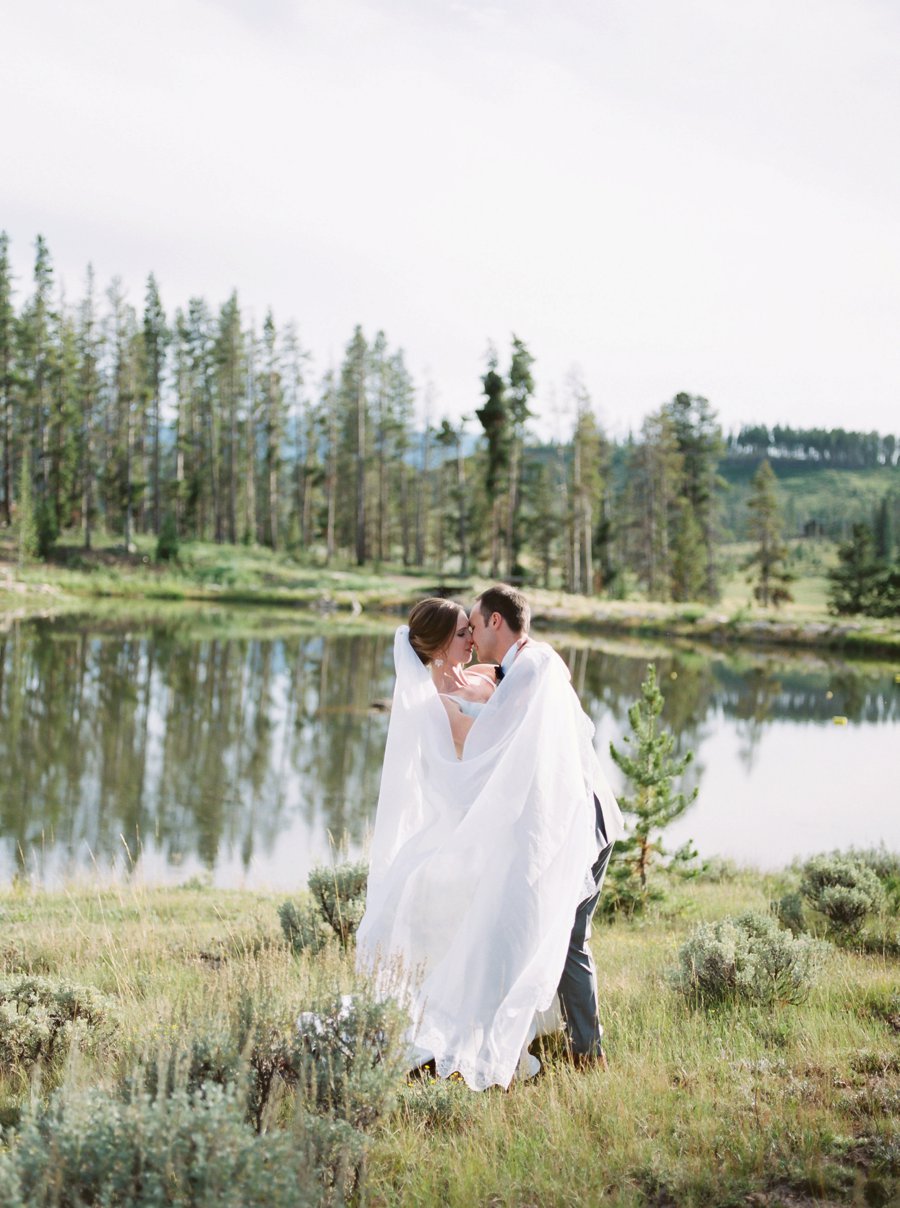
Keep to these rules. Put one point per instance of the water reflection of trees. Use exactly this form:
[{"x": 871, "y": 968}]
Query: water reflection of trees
[
  {"x": 201, "y": 747},
  {"x": 211, "y": 749}
]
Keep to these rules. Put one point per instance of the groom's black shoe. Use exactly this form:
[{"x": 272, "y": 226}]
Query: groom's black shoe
[{"x": 590, "y": 1061}]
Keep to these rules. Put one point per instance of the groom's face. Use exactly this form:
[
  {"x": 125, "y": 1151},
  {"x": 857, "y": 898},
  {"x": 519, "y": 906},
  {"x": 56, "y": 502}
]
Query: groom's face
[{"x": 483, "y": 635}]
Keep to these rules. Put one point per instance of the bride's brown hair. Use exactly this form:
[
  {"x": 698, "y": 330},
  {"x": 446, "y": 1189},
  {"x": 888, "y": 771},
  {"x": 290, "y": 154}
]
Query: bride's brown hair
[{"x": 431, "y": 625}]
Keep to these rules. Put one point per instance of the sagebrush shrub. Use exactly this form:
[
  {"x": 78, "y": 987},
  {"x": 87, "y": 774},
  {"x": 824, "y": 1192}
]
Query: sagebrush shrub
[
  {"x": 789, "y": 912},
  {"x": 303, "y": 926},
  {"x": 340, "y": 893},
  {"x": 336, "y": 905},
  {"x": 348, "y": 1059},
  {"x": 340, "y": 1060},
  {"x": 886, "y": 866},
  {"x": 90, "y": 1147},
  {"x": 39, "y": 1017},
  {"x": 747, "y": 958},
  {"x": 842, "y": 889}
]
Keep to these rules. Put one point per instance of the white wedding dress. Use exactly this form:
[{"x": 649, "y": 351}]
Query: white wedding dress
[{"x": 478, "y": 865}]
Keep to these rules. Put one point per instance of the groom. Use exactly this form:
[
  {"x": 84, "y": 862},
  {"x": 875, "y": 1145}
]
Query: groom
[{"x": 499, "y": 620}]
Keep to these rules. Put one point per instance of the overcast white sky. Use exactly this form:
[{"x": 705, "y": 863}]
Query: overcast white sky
[{"x": 670, "y": 194}]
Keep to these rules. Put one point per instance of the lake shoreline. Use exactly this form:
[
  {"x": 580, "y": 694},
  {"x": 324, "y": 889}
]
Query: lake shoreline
[
  {"x": 23, "y": 600},
  {"x": 108, "y": 577}
]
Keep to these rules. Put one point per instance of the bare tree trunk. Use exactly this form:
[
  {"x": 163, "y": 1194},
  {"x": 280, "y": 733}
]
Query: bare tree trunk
[
  {"x": 331, "y": 481},
  {"x": 215, "y": 474},
  {"x": 511, "y": 505},
  {"x": 250, "y": 475},
  {"x": 232, "y": 445},
  {"x": 87, "y": 489},
  {"x": 128, "y": 455},
  {"x": 577, "y": 503},
  {"x": 405, "y": 535},
  {"x": 8, "y": 465},
  {"x": 496, "y": 513},
  {"x": 421, "y": 511},
  {"x": 461, "y": 519},
  {"x": 155, "y": 471},
  {"x": 361, "y": 518}
]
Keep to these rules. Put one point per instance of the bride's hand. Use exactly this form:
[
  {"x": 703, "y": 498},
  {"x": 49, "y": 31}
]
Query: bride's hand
[{"x": 459, "y": 676}]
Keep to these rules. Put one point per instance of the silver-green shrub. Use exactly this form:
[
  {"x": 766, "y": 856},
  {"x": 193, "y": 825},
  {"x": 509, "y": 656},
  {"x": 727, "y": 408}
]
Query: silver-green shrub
[
  {"x": 340, "y": 894},
  {"x": 340, "y": 1061},
  {"x": 303, "y": 926},
  {"x": 92, "y": 1148},
  {"x": 336, "y": 905},
  {"x": 747, "y": 958},
  {"x": 842, "y": 889},
  {"x": 39, "y": 1017},
  {"x": 347, "y": 1059},
  {"x": 886, "y": 866}
]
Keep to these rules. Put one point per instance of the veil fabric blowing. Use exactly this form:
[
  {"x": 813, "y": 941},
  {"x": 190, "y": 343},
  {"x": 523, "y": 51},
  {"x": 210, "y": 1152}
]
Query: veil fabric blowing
[{"x": 478, "y": 865}]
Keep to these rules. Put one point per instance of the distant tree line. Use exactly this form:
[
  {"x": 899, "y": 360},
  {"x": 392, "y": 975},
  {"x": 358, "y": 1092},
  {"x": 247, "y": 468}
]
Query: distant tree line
[
  {"x": 830, "y": 446},
  {"x": 202, "y": 425}
]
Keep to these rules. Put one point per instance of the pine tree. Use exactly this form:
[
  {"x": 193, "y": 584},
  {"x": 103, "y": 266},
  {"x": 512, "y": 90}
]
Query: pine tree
[
  {"x": 446, "y": 441},
  {"x": 328, "y": 415},
  {"x": 698, "y": 436},
  {"x": 402, "y": 410},
  {"x": 854, "y": 581},
  {"x": 495, "y": 420},
  {"x": 544, "y": 520},
  {"x": 655, "y": 468},
  {"x": 884, "y": 529},
  {"x": 770, "y": 555},
  {"x": 297, "y": 415},
  {"x": 60, "y": 505},
  {"x": 423, "y": 480},
  {"x": 689, "y": 557},
  {"x": 7, "y": 402},
  {"x": 36, "y": 357},
  {"x": 273, "y": 410},
  {"x": 520, "y": 391},
  {"x": 651, "y": 770},
  {"x": 27, "y": 536},
  {"x": 586, "y": 488},
  {"x": 89, "y": 391},
  {"x": 156, "y": 337},
  {"x": 354, "y": 448},
  {"x": 230, "y": 390},
  {"x": 120, "y": 483},
  {"x": 383, "y": 424}
]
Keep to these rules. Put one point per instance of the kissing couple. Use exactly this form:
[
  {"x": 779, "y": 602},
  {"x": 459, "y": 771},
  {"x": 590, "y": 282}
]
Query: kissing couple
[{"x": 494, "y": 827}]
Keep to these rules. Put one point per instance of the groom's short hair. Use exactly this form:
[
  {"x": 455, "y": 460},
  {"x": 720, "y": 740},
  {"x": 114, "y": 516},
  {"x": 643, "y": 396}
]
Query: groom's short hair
[{"x": 511, "y": 605}]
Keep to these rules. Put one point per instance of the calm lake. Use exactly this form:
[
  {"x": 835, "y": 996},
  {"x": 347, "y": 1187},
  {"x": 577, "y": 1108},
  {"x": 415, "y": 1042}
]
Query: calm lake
[{"x": 240, "y": 751}]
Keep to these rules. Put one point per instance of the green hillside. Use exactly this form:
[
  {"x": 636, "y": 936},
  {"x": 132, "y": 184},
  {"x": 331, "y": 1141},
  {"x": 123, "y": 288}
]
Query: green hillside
[{"x": 811, "y": 494}]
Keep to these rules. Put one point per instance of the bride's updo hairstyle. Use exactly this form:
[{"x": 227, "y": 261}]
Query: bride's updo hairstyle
[{"x": 432, "y": 623}]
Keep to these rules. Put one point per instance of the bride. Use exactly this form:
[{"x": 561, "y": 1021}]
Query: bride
[{"x": 483, "y": 837}]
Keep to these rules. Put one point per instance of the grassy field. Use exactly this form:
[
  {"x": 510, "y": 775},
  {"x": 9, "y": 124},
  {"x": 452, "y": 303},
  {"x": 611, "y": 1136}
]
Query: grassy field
[{"x": 792, "y": 1105}]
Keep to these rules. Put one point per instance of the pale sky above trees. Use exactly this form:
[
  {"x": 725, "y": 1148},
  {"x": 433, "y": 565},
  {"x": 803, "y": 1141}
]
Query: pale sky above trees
[{"x": 670, "y": 194}]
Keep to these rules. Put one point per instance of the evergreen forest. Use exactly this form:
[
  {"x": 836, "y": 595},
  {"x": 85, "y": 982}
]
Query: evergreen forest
[{"x": 199, "y": 425}]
